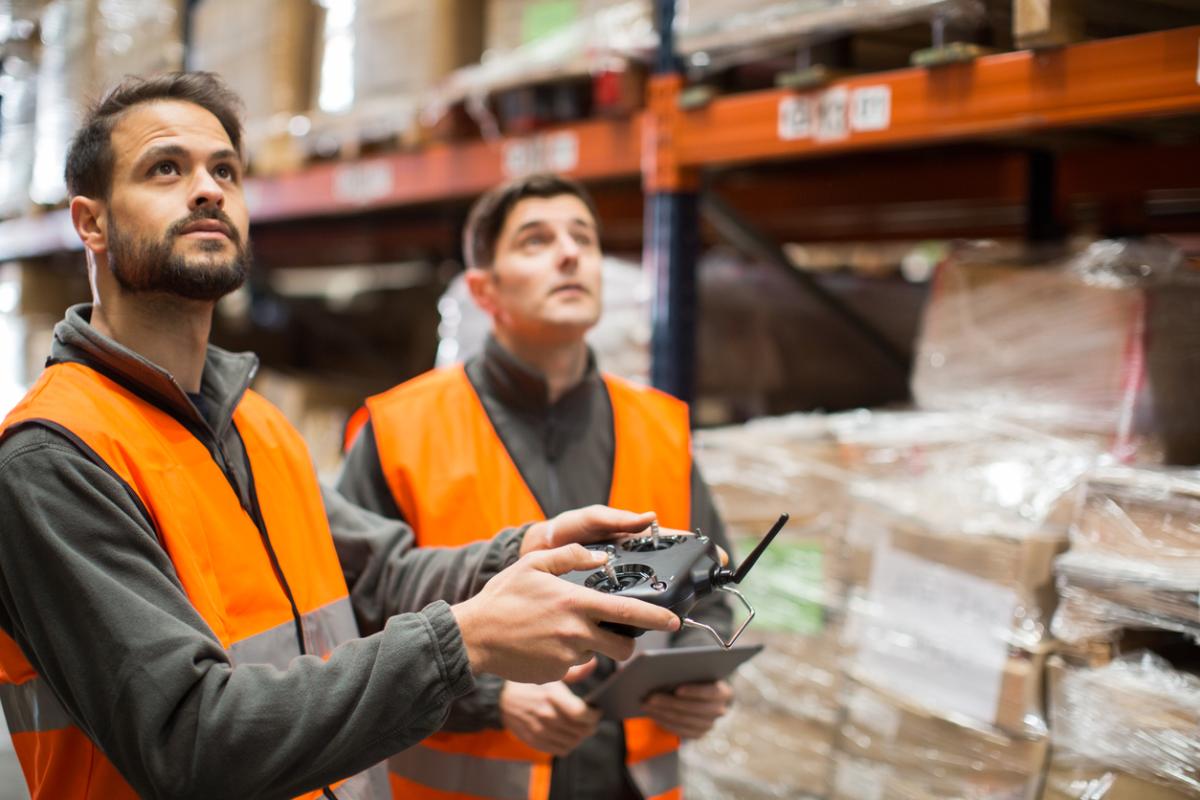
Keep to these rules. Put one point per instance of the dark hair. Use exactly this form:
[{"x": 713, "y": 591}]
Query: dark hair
[
  {"x": 490, "y": 212},
  {"x": 90, "y": 158}
]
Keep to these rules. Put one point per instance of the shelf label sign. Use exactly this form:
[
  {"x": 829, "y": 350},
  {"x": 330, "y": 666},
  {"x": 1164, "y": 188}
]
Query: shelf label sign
[
  {"x": 871, "y": 108},
  {"x": 363, "y": 183},
  {"x": 555, "y": 152},
  {"x": 795, "y": 118},
  {"x": 831, "y": 115},
  {"x": 835, "y": 114}
]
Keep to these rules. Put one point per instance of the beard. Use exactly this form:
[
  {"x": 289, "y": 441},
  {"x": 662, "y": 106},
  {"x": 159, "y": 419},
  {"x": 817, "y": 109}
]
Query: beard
[{"x": 151, "y": 265}]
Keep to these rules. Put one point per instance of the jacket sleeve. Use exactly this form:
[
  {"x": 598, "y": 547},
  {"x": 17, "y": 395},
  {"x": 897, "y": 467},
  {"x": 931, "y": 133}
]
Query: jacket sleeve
[
  {"x": 362, "y": 482},
  {"x": 93, "y": 601},
  {"x": 714, "y": 610},
  {"x": 388, "y": 574}
]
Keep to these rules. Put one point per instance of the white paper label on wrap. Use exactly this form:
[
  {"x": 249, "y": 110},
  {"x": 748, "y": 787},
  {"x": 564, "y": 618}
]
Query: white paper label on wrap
[{"x": 935, "y": 635}]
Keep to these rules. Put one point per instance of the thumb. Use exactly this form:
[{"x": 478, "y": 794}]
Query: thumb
[
  {"x": 576, "y": 674},
  {"x": 565, "y": 559}
]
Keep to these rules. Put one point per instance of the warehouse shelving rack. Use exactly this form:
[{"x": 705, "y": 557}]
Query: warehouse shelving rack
[{"x": 673, "y": 148}]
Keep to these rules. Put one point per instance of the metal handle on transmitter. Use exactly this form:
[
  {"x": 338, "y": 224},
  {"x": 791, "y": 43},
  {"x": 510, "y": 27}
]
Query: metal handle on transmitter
[{"x": 691, "y": 623}]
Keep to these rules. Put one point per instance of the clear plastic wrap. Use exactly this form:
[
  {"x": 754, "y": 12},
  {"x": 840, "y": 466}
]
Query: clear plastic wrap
[
  {"x": 859, "y": 779},
  {"x": 65, "y": 79},
  {"x": 1135, "y": 556},
  {"x": 777, "y": 740},
  {"x": 87, "y": 47},
  {"x": 1137, "y": 715},
  {"x": 18, "y": 101},
  {"x": 621, "y": 340},
  {"x": 264, "y": 50},
  {"x": 903, "y": 751},
  {"x": 1066, "y": 342},
  {"x": 137, "y": 37},
  {"x": 715, "y": 33},
  {"x": 963, "y": 472},
  {"x": 948, "y": 548},
  {"x": 602, "y": 35}
]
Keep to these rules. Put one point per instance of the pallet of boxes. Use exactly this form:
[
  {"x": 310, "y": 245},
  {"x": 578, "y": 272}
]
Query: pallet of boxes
[
  {"x": 777, "y": 741},
  {"x": 1125, "y": 692},
  {"x": 936, "y": 574}
]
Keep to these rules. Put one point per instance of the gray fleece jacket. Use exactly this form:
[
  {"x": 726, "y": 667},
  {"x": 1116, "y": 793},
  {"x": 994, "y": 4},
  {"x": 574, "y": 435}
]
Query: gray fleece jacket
[{"x": 94, "y": 603}]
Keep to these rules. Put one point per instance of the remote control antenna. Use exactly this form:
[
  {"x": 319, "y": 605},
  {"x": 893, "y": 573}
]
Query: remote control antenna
[
  {"x": 654, "y": 535},
  {"x": 724, "y": 576}
]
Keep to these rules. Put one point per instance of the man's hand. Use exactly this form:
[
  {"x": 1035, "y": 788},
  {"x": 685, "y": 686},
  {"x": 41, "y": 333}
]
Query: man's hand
[
  {"x": 583, "y": 525},
  {"x": 549, "y": 718},
  {"x": 690, "y": 711},
  {"x": 529, "y": 625}
]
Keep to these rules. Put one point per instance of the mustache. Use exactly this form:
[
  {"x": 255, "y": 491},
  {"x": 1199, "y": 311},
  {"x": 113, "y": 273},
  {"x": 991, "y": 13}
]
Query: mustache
[{"x": 210, "y": 213}]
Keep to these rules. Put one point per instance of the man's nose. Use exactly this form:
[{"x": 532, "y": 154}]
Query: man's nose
[
  {"x": 568, "y": 247},
  {"x": 206, "y": 191}
]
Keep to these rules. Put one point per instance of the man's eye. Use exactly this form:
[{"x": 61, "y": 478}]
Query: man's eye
[
  {"x": 536, "y": 240},
  {"x": 225, "y": 172},
  {"x": 165, "y": 168}
]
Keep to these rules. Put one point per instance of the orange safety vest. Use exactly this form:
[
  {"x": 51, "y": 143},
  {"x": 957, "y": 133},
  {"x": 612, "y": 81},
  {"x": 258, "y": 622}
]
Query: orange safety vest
[
  {"x": 455, "y": 483},
  {"x": 217, "y": 552}
]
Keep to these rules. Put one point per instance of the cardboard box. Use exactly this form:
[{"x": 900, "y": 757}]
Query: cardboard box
[
  {"x": 1024, "y": 564},
  {"x": 757, "y": 754},
  {"x": 1074, "y": 781},
  {"x": 880, "y": 727},
  {"x": 264, "y": 51},
  {"x": 1137, "y": 715},
  {"x": 971, "y": 679},
  {"x": 858, "y": 779},
  {"x": 512, "y": 23},
  {"x": 404, "y": 47}
]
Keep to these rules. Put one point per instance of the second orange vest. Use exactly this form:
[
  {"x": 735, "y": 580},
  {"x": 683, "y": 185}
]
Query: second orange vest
[{"x": 455, "y": 483}]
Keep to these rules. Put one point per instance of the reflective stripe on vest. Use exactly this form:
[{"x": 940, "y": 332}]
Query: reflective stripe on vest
[
  {"x": 455, "y": 482},
  {"x": 215, "y": 547}
]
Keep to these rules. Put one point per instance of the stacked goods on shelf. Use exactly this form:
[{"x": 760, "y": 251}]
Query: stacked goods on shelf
[
  {"x": 1129, "y": 730},
  {"x": 37, "y": 297},
  {"x": 549, "y": 44},
  {"x": 712, "y": 34},
  {"x": 953, "y": 525},
  {"x": 87, "y": 47},
  {"x": 18, "y": 98},
  {"x": 263, "y": 49},
  {"x": 379, "y": 59},
  {"x": 777, "y": 740},
  {"x": 1129, "y": 727},
  {"x": 1134, "y": 560},
  {"x": 1099, "y": 342}
]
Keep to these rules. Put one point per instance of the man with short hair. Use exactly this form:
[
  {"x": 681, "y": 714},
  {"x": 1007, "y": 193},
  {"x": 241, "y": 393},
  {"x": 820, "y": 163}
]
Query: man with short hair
[
  {"x": 530, "y": 427},
  {"x": 185, "y": 612}
]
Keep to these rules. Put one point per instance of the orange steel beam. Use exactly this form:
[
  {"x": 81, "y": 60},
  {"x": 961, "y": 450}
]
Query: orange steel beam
[
  {"x": 591, "y": 150},
  {"x": 1093, "y": 82}
]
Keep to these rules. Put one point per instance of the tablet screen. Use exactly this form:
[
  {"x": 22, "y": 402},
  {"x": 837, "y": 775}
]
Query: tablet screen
[{"x": 649, "y": 671}]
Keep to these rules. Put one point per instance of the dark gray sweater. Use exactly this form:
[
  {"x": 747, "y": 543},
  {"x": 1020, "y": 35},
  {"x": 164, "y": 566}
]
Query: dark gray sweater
[
  {"x": 564, "y": 451},
  {"x": 94, "y": 603}
]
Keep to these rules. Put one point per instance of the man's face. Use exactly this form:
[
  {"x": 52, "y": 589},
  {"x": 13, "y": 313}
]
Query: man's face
[
  {"x": 546, "y": 278},
  {"x": 176, "y": 218}
]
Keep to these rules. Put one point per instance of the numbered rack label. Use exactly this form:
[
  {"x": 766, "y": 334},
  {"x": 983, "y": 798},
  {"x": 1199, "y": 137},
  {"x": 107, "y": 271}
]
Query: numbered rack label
[{"x": 835, "y": 114}]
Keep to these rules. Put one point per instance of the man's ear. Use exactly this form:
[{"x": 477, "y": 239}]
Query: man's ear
[
  {"x": 482, "y": 285},
  {"x": 87, "y": 216}
]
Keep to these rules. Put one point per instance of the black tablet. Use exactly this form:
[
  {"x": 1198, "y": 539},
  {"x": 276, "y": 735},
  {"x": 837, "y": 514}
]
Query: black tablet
[{"x": 649, "y": 671}]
